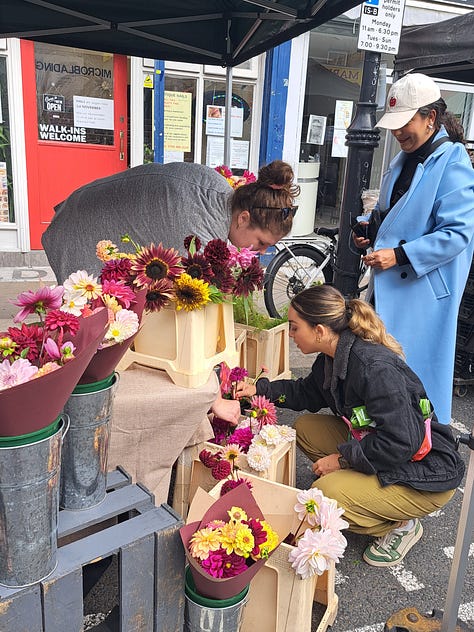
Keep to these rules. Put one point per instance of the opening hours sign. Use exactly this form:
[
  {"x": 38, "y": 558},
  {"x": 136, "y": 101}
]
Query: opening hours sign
[{"x": 381, "y": 25}]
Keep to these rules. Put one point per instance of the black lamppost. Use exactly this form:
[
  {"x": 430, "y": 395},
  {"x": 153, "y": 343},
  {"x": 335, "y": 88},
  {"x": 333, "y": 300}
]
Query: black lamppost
[{"x": 362, "y": 139}]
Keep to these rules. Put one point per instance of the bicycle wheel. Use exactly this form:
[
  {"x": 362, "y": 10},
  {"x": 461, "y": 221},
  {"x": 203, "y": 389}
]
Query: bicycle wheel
[{"x": 291, "y": 272}]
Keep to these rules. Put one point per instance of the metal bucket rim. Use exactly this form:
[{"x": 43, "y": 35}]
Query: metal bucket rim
[
  {"x": 240, "y": 603},
  {"x": 102, "y": 390},
  {"x": 64, "y": 425}
]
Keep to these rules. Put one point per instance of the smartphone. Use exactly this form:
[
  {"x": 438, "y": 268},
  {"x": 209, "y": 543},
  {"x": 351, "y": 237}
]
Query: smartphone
[{"x": 359, "y": 229}]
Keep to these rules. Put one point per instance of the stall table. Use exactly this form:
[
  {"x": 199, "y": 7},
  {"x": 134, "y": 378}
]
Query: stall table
[{"x": 153, "y": 421}]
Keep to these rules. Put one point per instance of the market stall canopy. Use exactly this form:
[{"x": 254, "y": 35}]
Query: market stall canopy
[
  {"x": 219, "y": 32},
  {"x": 444, "y": 50}
]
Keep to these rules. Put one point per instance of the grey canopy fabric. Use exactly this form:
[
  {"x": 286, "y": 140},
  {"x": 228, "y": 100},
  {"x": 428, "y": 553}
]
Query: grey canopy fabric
[
  {"x": 219, "y": 32},
  {"x": 444, "y": 50}
]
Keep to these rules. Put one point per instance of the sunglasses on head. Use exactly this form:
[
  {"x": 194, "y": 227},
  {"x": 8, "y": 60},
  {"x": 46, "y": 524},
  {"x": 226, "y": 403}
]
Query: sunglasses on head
[{"x": 286, "y": 211}]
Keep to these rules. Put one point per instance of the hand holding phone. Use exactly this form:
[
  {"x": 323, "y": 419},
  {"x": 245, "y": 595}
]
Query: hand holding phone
[{"x": 360, "y": 229}]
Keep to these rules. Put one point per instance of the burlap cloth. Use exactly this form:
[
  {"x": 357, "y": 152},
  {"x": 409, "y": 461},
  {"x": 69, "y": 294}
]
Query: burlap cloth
[{"x": 153, "y": 420}]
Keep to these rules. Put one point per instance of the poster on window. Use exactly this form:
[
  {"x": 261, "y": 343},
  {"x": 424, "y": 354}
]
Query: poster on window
[
  {"x": 342, "y": 120},
  {"x": 3, "y": 193},
  {"x": 215, "y": 121},
  {"x": 239, "y": 153},
  {"x": 177, "y": 121},
  {"x": 316, "y": 129}
]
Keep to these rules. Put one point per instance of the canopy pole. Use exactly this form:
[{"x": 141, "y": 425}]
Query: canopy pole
[{"x": 228, "y": 115}]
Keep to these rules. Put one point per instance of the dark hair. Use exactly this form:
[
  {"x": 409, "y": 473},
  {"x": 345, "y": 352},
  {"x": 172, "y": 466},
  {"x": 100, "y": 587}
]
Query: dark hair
[
  {"x": 444, "y": 117},
  {"x": 325, "y": 305},
  {"x": 270, "y": 199}
]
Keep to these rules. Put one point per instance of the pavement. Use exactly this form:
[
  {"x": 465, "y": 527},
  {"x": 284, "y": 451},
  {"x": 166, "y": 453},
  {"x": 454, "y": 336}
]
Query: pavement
[{"x": 368, "y": 596}]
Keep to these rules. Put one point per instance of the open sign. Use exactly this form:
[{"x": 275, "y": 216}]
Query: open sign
[{"x": 53, "y": 103}]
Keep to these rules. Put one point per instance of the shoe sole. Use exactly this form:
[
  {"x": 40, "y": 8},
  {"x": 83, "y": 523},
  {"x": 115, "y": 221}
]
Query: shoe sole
[{"x": 402, "y": 554}]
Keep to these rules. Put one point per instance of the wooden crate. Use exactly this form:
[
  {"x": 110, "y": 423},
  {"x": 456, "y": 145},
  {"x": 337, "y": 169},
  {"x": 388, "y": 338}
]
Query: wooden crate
[
  {"x": 279, "y": 600},
  {"x": 150, "y": 556},
  {"x": 191, "y": 473},
  {"x": 266, "y": 347}
]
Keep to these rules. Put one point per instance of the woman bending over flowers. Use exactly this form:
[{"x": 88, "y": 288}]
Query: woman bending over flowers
[
  {"x": 381, "y": 454},
  {"x": 157, "y": 203}
]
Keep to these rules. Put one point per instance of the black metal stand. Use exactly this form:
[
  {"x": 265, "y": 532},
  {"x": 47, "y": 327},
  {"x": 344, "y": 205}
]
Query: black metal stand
[
  {"x": 362, "y": 139},
  {"x": 409, "y": 619}
]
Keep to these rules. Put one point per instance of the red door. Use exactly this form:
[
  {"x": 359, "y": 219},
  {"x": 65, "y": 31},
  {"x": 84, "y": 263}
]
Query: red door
[{"x": 75, "y": 105}]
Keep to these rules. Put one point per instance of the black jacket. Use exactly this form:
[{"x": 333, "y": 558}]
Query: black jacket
[{"x": 367, "y": 374}]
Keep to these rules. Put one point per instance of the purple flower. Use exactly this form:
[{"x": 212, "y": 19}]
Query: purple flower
[
  {"x": 38, "y": 301},
  {"x": 222, "y": 469},
  {"x": 220, "y": 564},
  {"x": 243, "y": 437},
  {"x": 238, "y": 374}
]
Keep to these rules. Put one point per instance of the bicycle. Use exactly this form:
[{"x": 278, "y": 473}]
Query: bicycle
[{"x": 299, "y": 265}]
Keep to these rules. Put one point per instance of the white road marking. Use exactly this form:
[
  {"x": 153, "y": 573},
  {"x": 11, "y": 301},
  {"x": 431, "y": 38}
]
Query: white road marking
[
  {"x": 405, "y": 578},
  {"x": 449, "y": 551}
]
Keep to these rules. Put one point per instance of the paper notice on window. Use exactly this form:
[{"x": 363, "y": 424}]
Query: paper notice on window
[
  {"x": 215, "y": 121},
  {"x": 3, "y": 193},
  {"x": 177, "y": 121},
  {"x": 342, "y": 120},
  {"x": 239, "y": 153},
  {"x": 93, "y": 113}
]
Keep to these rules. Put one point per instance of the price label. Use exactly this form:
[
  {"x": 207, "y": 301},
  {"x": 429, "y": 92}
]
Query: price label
[{"x": 381, "y": 25}]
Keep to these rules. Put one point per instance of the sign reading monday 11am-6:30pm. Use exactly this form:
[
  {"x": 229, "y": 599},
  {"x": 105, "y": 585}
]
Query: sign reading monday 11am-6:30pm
[{"x": 381, "y": 25}]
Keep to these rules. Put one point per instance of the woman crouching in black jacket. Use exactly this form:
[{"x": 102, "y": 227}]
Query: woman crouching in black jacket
[{"x": 381, "y": 454}]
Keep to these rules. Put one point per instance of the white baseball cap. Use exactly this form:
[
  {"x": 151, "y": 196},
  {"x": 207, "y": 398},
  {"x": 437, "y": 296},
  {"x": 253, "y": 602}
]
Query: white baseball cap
[{"x": 406, "y": 96}]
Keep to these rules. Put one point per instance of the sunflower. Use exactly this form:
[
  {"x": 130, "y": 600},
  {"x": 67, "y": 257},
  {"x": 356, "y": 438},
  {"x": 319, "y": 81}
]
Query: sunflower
[
  {"x": 154, "y": 263},
  {"x": 159, "y": 294},
  {"x": 190, "y": 293}
]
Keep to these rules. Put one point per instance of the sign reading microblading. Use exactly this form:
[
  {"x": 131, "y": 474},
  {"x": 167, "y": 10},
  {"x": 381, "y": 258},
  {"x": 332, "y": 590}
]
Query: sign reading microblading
[{"x": 74, "y": 95}]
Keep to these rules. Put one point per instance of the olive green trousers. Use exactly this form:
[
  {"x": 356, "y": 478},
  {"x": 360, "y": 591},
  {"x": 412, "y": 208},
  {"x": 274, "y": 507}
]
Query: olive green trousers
[{"x": 368, "y": 507}]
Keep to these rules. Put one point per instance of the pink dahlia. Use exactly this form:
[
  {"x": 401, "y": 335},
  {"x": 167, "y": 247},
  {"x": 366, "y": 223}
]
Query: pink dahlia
[
  {"x": 27, "y": 337},
  {"x": 243, "y": 437},
  {"x": 123, "y": 293},
  {"x": 16, "y": 372},
  {"x": 63, "y": 321},
  {"x": 220, "y": 564},
  {"x": 117, "y": 270},
  {"x": 263, "y": 410},
  {"x": 38, "y": 301}
]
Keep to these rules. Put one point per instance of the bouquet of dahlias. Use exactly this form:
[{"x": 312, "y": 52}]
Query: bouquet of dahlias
[
  {"x": 229, "y": 544},
  {"x": 235, "y": 181},
  {"x": 41, "y": 362},
  {"x": 322, "y": 540},
  {"x": 83, "y": 293}
]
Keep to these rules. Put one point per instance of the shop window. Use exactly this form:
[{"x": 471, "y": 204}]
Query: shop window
[
  {"x": 214, "y": 119},
  {"x": 6, "y": 178},
  {"x": 74, "y": 91}
]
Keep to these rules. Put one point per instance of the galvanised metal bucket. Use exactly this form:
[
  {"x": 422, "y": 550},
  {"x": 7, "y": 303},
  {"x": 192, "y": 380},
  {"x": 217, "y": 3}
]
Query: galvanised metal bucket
[
  {"x": 85, "y": 451},
  {"x": 29, "y": 492},
  {"x": 202, "y": 614}
]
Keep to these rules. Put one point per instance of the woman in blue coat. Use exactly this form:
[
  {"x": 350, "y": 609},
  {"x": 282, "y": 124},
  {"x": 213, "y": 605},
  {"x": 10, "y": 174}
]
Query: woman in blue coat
[{"x": 421, "y": 234}]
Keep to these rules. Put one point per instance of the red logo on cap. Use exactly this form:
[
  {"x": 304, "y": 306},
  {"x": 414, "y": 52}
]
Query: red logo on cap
[{"x": 392, "y": 102}]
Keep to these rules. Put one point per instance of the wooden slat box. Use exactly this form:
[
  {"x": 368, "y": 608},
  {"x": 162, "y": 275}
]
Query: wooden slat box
[
  {"x": 150, "y": 566},
  {"x": 279, "y": 600},
  {"x": 191, "y": 473}
]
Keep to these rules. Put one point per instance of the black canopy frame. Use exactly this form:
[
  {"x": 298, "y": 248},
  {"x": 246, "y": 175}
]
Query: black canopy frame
[
  {"x": 444, "y": 50},
  {"x": 219, "y": 32}
]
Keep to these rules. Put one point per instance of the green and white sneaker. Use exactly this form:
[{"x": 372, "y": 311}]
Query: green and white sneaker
[{"x": 392, "y": 547}]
